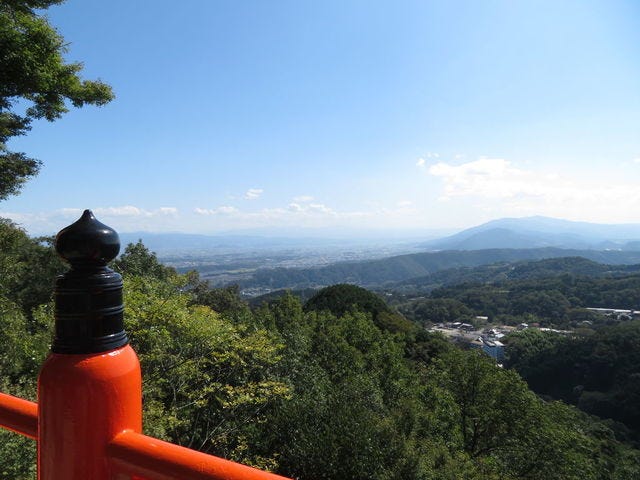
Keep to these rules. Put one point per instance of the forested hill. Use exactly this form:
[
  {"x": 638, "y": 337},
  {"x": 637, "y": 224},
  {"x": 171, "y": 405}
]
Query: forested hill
[
  {"x": 522, "y": 270},
  {"x": 373, "y": 273}
]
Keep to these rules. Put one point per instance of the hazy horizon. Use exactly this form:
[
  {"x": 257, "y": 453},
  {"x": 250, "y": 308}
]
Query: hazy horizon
[{"x": 322, "y": 233}]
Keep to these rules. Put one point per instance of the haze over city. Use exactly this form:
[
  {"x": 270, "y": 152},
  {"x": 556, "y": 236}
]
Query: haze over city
[{"x": 325, "y": 115}]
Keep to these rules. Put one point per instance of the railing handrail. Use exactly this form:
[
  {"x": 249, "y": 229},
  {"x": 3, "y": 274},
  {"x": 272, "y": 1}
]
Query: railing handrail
[
  {"x": 136, "y": 454},
  {"x": 19, "y": 415},
  {"x": 132, "y": 453}
]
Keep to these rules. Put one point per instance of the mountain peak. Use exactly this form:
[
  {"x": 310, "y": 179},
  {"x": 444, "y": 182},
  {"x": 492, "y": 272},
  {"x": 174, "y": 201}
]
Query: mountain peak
[{"x": 539, "y": 231}]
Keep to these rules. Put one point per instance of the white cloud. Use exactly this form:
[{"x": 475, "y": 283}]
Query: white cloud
[
  {"x": 308, "y": 214},
  {"x": 125, "y": 218},
  {"x": 311, "y": 209},
  {"x": 320, "y": 208},
  {"x": 253, "y": 193},
  {"x": 498, "y": 178},
  {"x": 125, "y": 211},
  {"x": 73, "y": 212},
  {"x": 128, "y": 211},
  {"x": 295, "y": 214},
  {"x": 422, "y": 161},
  {"x": 636, "y": 160},
  {"x": 303, "y": 198},
  {"x": 223, "y": 210},
  {"x": 520, "y": 191},
  {"x": 168, "y": 211}
]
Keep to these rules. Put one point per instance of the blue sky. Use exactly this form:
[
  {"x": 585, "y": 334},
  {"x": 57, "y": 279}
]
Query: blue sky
[{"x": 343, "y": 114}]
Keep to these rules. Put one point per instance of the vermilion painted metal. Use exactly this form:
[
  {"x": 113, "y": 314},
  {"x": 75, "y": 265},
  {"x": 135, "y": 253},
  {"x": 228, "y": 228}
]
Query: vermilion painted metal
[
  {"x": 18, "y": 415},
  {"x": 85, "y": 400},
  {"x": 135, "y": 454}
]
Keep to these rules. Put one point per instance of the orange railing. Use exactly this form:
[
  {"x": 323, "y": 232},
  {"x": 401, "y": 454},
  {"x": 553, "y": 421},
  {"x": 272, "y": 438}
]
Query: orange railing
[
  {"x": 88, "y": 419},
  {"x": 138, "y": 455},
  {"x": 18, "y": 415}
]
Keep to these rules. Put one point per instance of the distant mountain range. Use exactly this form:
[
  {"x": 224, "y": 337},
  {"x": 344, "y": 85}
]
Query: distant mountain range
[
  {"x": 503, "y": 241},
  {"x": 527, "y": 232},
  {"x": 376, "y": 273},
  {"x": 540, "y": 232}
]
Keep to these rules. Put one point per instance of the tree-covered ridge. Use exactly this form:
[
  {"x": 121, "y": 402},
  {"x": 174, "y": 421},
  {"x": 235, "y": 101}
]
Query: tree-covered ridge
[
  {"x": 599, "y": 373},
  {"x": 521, "y": 270},
  {"x": 552, "y": 301},
  {"x": 418, "y": 268},
  {"x": 318, "y": 393}
]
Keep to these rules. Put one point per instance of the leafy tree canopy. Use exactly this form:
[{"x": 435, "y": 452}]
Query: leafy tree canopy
[
  {"x": 341, "y": 298},
  {"x": 27, "y": 267},
  {"x": 138, "y": 260},
  {"x": 35, "y": 83}
]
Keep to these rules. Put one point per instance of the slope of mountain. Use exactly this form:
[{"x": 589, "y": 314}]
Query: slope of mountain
[
  {"x": 403, "y": 267},
  {"x": 522, "y": 270},
  {"x": 536, "y": 232}
]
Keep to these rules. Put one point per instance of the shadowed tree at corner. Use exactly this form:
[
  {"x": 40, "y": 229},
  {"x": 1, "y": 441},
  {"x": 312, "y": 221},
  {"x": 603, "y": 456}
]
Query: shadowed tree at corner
[{"x": 35, "y": 83}]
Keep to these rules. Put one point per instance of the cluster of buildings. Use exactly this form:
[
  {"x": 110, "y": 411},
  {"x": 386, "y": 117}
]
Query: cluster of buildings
[
  {"x": 489, "y": 342},
  {"x": 616, "y": 313}
]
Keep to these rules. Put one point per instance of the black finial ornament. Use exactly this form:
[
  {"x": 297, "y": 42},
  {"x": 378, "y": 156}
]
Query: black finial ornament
[{"x": 88, "y": 298}]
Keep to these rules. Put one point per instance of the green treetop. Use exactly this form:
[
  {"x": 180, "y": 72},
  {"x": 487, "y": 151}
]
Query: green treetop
[{"x": 35, "y": 82}]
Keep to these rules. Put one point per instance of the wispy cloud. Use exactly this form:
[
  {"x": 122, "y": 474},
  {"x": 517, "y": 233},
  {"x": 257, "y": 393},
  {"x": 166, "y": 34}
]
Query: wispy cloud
[
  {"x": 131, "y": 211},
  {"x": 303, "y": 198},
  {"x": 127, "y": 217},
  {"x": 253, "y": 193},
  {"x": 422, "y": 161},
  {"x": 527, "y": 191},
  {"x": 303, "y": 213},
  {"x": 295, "y": 213},
  {"x": 223, "y": 210},
  {"x": 311, "y": 208}
]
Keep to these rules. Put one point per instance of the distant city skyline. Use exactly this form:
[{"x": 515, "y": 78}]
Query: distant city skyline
[{"x": 351, "y": 115}]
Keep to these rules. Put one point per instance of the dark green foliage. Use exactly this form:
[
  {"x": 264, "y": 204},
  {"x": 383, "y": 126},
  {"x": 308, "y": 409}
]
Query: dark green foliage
[
  {"x": 342, "y": 298},
  {"x": 224, "y": 300},
  {"x": 303, "y": 295},
  {"x": 554, "y": 301},
  {"x": 348, "y": 377},
  {"x": 33, "y": 71},
  {"x": 28, "y": 267},
  {"x": 137, "y": 260},
  {"x": 425, "y": 271},
  {"x": 436, "y": 310},
  {"x": 599, "y": 373}
]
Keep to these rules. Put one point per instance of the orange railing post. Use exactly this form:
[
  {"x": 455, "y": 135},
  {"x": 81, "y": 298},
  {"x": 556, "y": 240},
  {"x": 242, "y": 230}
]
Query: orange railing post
[
  {"x": 88, "y": 419},
  {"x": 89, "y": 388}
]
